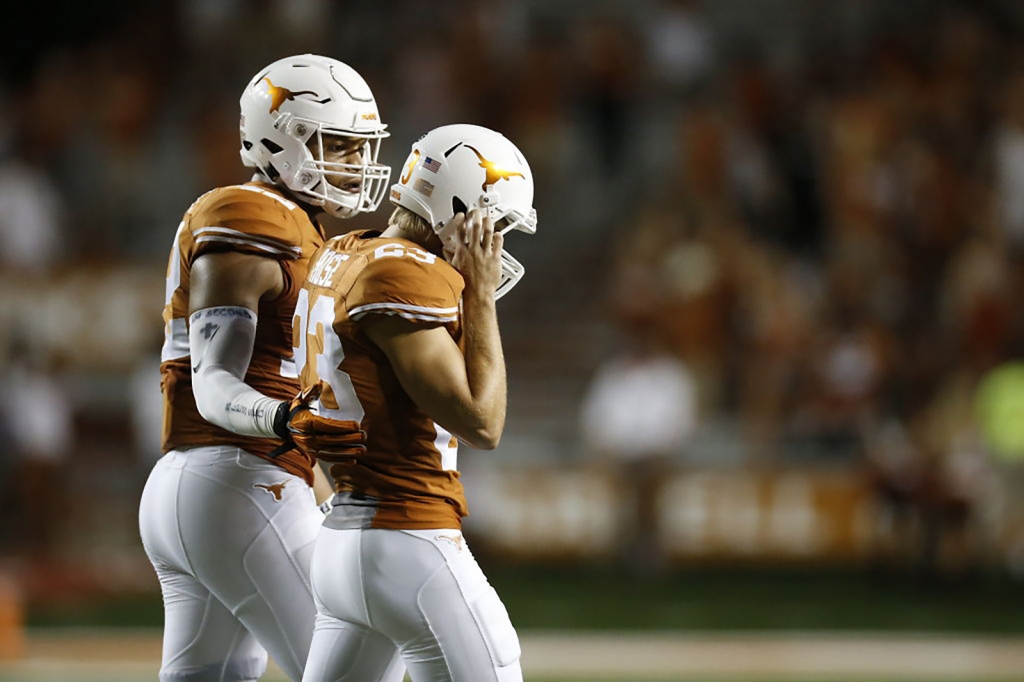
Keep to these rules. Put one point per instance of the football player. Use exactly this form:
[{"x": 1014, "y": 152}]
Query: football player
[
  {"x": 399, "y": 330},
  {"x": 228, "y": 517}
]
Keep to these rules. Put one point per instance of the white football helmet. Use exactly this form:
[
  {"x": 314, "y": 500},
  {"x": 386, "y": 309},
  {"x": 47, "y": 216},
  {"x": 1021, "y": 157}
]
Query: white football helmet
[
  {"x": 299, "y": 97},
  {"x": 457, "y": 167}
]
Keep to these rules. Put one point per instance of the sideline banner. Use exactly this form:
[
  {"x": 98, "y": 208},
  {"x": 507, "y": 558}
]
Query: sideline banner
[{"x": 580, "y": 513}]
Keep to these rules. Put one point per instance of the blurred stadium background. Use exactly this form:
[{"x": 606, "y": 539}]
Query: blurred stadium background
[{"x": 766, "y": 367}]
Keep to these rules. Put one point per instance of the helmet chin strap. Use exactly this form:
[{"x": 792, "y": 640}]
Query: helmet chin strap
[
  {"x": 446, "y": 232},
  {"x": 487, "y": 202},
  {"x": 326, "y": 200},
  {"x": 338, "y": 210}
]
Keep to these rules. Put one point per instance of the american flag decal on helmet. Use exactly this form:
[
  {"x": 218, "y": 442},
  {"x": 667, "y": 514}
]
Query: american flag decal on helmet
[{"x": 432, "y": 165}]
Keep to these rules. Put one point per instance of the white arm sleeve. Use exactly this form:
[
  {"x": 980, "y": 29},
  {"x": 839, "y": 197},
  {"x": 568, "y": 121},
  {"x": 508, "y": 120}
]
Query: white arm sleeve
[{"x": 221, "y": 341}]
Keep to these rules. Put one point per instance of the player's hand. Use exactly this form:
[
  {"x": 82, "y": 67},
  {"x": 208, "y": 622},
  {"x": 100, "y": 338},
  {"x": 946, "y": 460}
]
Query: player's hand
[
  {"x": 478, "y": 252},
  {"x": 331, "y": 440}
]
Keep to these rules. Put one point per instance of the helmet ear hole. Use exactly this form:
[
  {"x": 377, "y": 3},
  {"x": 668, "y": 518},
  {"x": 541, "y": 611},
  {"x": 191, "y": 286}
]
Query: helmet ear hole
[
  {"x": 272, "y": 147},
  {"x": 459, "y": 206}
]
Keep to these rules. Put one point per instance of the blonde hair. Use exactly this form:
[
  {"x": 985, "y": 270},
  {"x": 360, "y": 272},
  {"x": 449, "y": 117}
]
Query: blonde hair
[{"x": 411, "y": 223}]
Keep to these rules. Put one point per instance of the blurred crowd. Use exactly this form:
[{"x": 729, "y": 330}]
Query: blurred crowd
[{"x": 805, "y": 218}]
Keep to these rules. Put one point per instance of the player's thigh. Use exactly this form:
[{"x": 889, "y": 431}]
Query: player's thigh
[
  {"x": 281, "y": 611},
  {"x": 453, "y": 626},
  {"x": 346, "y": 652},
  {"x": 246, "y": 524},
  {"x": 249, "y": 530},
  {"x": 203, "y": 641}
]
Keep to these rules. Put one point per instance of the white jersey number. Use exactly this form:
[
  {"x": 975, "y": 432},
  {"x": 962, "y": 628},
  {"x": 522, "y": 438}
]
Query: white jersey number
[
  {"x": 401, "y": 251},
  {"x": 316, "y": 325}
]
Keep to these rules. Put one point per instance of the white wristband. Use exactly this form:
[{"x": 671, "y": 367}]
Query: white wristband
[{"x": 220, "y": 342}]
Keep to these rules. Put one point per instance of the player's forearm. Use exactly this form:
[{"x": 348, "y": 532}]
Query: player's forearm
[
  {"x": 322, "y": 489},
  {"x": 227, "y": 402},
  {"x": 221, "y": 342},
  {"x": 485, "y": 371}
]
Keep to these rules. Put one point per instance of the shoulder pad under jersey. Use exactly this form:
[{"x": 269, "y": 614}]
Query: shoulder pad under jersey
[
  {"x": 402, "y": 279},
  {"x": 248, "y": 218}
]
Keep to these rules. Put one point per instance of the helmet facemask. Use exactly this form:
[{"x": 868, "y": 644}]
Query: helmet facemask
[
  {"x": 324, "y": 182},
  {"x": 288, "y": 110},
  {"x": 511, "y": 269}
]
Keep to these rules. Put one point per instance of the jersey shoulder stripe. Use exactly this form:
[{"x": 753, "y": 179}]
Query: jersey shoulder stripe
[
  {"x": 213, "y": 234},
  {"x": 248, "y": 218},
  {"x": 411, "y": 312},
  {"x": 399, "y": 278}
]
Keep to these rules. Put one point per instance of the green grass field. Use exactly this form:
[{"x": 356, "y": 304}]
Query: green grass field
[
  {"x": 705, "y": 599},
  {"x": 132, "y": 655},
  {"x": 42, "y": 674},
  {"x": 99, "y": 666},
  {"x": 700, "y": 625},
  {"x": 710, "y": 599}
]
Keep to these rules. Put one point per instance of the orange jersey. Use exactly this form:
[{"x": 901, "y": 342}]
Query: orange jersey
[
  {"x": 407, "y": 479},
  {"x": 256, "y": 219}
]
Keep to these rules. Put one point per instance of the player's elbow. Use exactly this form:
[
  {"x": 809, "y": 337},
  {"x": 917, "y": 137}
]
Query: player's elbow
[
  {"x": 206, "y": 402},
  {"x": 488, "y": 439},
  {"x": 485, "y": 440},
  {"x": 477, "y": 425},
  {"x": 204, "y": 410},
  {"x": 485, "y": 434}
]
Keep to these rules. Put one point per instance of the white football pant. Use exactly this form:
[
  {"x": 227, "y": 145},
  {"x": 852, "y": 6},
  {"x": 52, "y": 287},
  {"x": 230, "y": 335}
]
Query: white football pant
[
  {"x": 231, "y": 537},
  {"x": 388, "y": 596}
]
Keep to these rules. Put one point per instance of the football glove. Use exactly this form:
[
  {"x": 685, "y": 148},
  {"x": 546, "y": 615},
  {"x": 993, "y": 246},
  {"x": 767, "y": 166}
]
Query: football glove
[{"x": 331, "y": 440}]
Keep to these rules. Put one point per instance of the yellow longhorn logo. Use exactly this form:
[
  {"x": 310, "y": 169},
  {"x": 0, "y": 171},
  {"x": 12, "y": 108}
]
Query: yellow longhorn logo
[
  {"x": 493, "y": 172},
  {"x": 279, "y": 96},
  {"x": 276, "y": 489}
]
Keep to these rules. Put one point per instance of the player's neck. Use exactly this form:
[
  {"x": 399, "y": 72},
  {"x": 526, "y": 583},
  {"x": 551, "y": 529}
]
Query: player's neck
[{"x": 396, "y": 232}]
